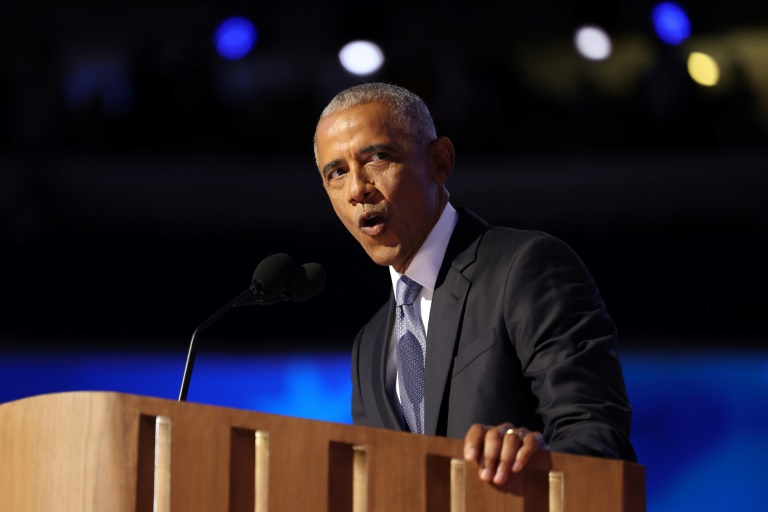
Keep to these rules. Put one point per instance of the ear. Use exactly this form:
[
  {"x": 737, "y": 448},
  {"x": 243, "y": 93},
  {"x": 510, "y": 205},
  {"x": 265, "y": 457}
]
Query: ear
[{"x": 442, "y": 155}]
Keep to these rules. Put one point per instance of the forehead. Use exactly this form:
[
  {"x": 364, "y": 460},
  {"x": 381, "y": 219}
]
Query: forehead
[{"x": 358, "y": 125}]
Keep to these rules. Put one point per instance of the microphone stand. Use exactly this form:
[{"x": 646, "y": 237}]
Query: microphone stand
[
  {"x": 301, "y": 285},
  {"x": 193, "y": 344}
]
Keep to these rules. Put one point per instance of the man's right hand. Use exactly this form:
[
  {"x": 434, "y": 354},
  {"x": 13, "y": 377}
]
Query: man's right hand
[{"x": 501, "y": 449}]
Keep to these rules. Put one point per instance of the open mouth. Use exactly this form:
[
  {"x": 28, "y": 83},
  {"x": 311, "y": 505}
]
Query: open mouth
[{"x": 371, "y": 223}]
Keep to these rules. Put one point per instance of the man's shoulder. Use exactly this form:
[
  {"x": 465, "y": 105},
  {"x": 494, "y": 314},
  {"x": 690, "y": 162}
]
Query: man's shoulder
[
  {"x": 514, "y": 240},
  {"x": 485, "y": 249},
  {"x": 489, "y": 236},
  {"x": 504, "y": 234},
  {"x": 469, "y": 220}
]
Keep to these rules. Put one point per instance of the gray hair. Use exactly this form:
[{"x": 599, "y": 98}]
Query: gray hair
[{"x": 407, "y": 111}]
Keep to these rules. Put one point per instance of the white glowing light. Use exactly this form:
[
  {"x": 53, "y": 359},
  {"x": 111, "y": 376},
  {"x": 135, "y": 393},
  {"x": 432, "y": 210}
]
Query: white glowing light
[
  {"x": 592, "y": 42},
  {"x": 361, "y": 57}
]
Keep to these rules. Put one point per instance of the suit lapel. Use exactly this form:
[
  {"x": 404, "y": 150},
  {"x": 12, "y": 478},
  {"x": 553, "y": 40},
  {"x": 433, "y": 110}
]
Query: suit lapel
[
  {"x": 445, "y": 317},
  {"x": 377, "y": 336}
]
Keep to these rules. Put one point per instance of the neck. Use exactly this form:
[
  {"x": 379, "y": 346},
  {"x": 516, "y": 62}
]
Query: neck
[{"x": 442, "y": 200}]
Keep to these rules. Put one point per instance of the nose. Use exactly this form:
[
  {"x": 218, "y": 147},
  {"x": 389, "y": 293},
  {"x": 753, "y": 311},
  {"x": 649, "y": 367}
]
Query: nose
[{"x": 359, "y": 185}]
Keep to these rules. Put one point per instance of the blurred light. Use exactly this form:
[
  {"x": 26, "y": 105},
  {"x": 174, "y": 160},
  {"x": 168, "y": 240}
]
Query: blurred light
[
  {"x": 671, "y": 23},
  {"x": 703, "y": 69},
  {"x": 98, "y": 80},
  {"x": 361, "y": 57},
  {"x": 592, "y": 42},
  {"x": 235, "y": 37}
]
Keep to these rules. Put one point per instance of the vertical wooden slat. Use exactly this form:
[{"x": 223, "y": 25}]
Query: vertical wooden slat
[
  {"x": 261, "y": 484},
  {"x": 359, "y": 479},
  {"x": 162, "y": 495},
  {"x": 458, "y": 485},
  {"x": 556, "y": 491}
]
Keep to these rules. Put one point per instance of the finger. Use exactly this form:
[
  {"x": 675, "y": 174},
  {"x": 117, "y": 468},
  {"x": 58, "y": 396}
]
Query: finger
[
  {"x": 511, "y": 443},
  {"x": 473, "y": 441},
  {"x": 532, "y": 443},
  {"x": 492, "y": 444}
]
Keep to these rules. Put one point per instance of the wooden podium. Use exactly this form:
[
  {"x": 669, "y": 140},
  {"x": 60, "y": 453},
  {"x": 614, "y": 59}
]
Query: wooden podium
[{"x": 109, "y": 452}]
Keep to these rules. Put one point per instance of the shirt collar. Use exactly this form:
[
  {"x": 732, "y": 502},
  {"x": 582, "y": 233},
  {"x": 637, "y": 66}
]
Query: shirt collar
[{"x": 426, "y": 264}]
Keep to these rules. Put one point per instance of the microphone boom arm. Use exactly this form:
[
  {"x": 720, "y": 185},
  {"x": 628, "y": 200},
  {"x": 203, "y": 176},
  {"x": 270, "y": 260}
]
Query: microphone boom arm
[
  {"x": 276, "y": 279},
  {"x": 193, "y": 344}
]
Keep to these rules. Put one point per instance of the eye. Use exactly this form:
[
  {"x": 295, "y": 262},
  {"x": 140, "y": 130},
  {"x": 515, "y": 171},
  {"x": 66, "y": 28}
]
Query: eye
[
  {"x": 336, "y": 173},
  {"x": 379, "y": 156}
]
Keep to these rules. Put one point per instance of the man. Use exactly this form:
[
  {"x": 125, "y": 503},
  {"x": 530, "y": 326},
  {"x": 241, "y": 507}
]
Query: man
[{"x": 486, "y": 325}]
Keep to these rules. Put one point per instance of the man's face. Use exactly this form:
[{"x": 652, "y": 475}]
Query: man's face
[{"x": 385, "y": 188}]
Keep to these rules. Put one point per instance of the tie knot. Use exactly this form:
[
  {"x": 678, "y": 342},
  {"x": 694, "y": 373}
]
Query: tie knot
[{"x": 407, "y": 290}]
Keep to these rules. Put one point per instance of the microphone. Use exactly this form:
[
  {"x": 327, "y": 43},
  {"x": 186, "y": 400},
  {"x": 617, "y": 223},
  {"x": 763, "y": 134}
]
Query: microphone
[
  {"x": 307, "y": 282},
  {"x": 276, "y": 279}
]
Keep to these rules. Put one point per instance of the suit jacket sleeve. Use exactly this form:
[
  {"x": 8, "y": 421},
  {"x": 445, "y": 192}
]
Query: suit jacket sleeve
[{"x": 565, "y": 341}]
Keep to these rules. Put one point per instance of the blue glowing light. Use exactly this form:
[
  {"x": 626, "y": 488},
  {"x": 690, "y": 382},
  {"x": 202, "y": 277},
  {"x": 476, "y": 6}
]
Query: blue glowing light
[
  {"x": 235, "y": 37},
  {"x": 671, "y": 23}
]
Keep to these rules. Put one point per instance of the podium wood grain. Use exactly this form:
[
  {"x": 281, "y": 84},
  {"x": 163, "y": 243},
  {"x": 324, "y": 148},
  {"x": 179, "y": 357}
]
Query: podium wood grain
[{"x": 95, "y": 452}]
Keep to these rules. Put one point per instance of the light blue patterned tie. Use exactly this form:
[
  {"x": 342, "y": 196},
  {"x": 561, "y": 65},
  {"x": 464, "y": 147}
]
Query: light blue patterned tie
[{"x": 411, "y": 351}]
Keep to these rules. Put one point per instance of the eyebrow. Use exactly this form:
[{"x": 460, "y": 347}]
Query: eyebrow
[
  {"x": 375, "y": 148},
  {"x": 367, "y": 150}
]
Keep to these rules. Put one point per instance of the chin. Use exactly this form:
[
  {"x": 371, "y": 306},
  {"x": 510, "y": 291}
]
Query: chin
[
  {"x": 382, "y": 256},
  {"x": 384, "y": 262}
]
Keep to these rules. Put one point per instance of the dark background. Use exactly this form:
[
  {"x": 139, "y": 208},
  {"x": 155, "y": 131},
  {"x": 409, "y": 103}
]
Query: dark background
[{"x": 143, "y": 177}]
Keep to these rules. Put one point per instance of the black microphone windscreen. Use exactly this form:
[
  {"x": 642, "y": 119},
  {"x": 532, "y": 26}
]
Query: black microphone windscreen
[
  {"x": 273, "y": 273},
  {"x": 307, "y": 282}
]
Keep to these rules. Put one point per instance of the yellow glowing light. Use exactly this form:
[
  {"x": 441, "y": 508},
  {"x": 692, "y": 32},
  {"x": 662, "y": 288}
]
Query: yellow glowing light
[{"x": 703, "y": 69}]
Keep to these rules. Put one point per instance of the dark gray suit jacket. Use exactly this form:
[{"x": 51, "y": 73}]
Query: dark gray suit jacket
[{"x": 517, "y": 332}]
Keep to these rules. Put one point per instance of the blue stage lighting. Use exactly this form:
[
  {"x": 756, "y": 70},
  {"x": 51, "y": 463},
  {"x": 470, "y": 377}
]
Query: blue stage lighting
[
  {"x": 235, "y": 37},
  {"x": 671, "y": 23}
]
